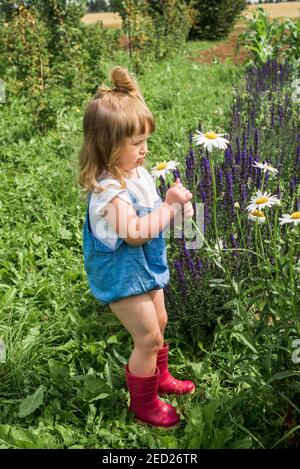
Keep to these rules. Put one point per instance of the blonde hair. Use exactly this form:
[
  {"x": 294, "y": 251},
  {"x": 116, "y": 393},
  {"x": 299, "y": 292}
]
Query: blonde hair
[{"x": 110, "y": 117}]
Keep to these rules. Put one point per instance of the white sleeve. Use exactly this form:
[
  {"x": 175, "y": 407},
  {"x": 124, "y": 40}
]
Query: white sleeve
[{"x": 99, "y": 201}]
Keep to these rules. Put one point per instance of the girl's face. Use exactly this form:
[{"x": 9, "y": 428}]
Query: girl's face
[{"x": 133, "y": 153}]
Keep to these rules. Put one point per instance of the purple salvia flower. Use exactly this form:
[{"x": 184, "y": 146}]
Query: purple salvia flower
[
  {"x": 244, "y": 193},
  {"x": 280, "y": 115},
  {"x": 162, "y": 187},
  {"x": 219, "y": 179},
  {"x": 297, "y": 164},
  {"x": 256, "y": 141},
  {"x": 272, "y": 116},
  {"x": 176, "y": 174},
  {"x": 180, "y": 274},
  {"x": 228, "y": 157}
]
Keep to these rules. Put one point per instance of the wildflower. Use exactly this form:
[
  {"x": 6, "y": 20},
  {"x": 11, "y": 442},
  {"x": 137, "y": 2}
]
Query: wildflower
[
  {"x": 257, "y": 215},
  {"x": 293, "y": 218},
  {"x": 261, "y": 200},
  {"x": 210, "y": 140},
  {"x": 265, "y": 167},
  {"x": 237, "y": 205},
  {"x": 162, "y": 169}
]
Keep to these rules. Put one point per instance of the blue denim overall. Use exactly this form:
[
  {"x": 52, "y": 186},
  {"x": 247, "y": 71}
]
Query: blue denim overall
[{"x": 125, "y": 270}]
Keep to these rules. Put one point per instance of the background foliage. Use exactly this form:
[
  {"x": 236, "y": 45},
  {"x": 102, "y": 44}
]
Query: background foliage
[{"x": 215, "y": 18}]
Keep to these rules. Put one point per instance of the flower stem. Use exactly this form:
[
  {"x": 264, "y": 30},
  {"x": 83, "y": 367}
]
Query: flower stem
[
  {"x": 274, "y": 242},
  {"x": 244, "y": 244},
  {"x": 263, "y": 181}
]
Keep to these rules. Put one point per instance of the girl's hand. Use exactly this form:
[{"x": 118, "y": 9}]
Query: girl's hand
[
  {"x": 178, "y": 193},
  {"x": 188, "y": 210}
]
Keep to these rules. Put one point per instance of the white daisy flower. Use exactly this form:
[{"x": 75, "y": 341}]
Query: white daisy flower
[
  {"x": 265, "y": 167},
  {"x": 293, "y": 218},
  {"x": 162, "y": 169},
  {"x": 257, "y": 215},
  {"x": 210, "y": 140},
  {"x": 261, "y": 200}
]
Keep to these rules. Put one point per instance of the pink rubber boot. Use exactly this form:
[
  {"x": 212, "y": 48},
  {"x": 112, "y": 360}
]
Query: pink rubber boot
[
  {"x": 167, "y": 383},
  {"x": 144, "y": 401}
]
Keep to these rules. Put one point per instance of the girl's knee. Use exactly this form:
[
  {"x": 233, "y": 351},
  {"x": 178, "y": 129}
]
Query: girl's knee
[{"x": 152, "y": 342}]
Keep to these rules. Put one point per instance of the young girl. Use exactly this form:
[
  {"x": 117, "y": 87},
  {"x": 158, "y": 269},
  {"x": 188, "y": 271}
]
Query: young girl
[{"x": 123, "y": 244}]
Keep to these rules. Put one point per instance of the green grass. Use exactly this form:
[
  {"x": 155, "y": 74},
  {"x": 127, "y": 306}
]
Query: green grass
[{"x": 57, "y": 335}]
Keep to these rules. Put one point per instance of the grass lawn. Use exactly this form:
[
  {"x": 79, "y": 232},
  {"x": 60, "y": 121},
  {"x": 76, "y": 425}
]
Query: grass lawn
[{"x": 61, "y": 343}]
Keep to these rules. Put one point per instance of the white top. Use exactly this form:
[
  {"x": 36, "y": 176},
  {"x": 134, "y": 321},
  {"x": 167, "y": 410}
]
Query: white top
[{"x": 143, "y": 188}]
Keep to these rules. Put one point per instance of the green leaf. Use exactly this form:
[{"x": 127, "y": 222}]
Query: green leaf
[
  {"x": 120, "y": 357},
  {"x": 32, "y": 402},
  {"x": 19, "y": 437},
  {"x": 241, "y": 338},
  {"x": 102, "y": 395},
  {"x": 112, "y": 340},
  {"x": 282, "y": 375}
]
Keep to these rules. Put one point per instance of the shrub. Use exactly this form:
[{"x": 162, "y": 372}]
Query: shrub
[
  {"x": 47, "y": 56},
  {"x": 215, "y": 18},
  {"x": 155, "y": 30}
]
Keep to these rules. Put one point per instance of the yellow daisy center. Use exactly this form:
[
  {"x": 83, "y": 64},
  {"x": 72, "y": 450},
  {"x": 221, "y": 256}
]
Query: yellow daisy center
[
  {"x": 210, "y": 135},
  {"x": 295, "y": 215},
  {"x": 161, "y": 166},
  {"x": 261, "y": 200},
  {"x": 257, "y": 213}
]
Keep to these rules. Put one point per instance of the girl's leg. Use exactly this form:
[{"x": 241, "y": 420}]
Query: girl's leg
[
  {"x": 157, "y": 297},
  {"x": 138, "y": 316}
]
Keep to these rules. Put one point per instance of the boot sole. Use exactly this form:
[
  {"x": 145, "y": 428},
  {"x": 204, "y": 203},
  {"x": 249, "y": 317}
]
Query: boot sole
[{"x": 156, "y": 426}]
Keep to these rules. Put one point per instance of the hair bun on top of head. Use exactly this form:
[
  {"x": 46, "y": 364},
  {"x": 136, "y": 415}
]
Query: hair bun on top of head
[{"x": 123, "y": 81}]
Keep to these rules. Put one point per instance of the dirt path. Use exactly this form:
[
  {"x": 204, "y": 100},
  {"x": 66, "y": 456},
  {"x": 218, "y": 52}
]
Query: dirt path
[{"x": 227, "y": 50}]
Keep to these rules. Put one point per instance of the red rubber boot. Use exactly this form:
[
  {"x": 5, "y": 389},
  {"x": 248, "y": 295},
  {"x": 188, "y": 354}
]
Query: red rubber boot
[
  {"x": 167, "y": 383},
  {"x": 144, "y": 401}
]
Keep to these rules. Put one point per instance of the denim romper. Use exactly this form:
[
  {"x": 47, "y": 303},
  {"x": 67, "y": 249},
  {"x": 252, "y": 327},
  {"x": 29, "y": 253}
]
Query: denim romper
[{"x": 124, "y": 270}]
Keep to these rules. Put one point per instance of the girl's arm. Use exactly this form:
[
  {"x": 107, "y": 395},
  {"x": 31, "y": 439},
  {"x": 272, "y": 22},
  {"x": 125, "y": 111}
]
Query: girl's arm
[{"x": 138, "y": 230}]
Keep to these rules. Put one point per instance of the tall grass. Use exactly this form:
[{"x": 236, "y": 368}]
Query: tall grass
[{"x": 57, "y": 335}]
